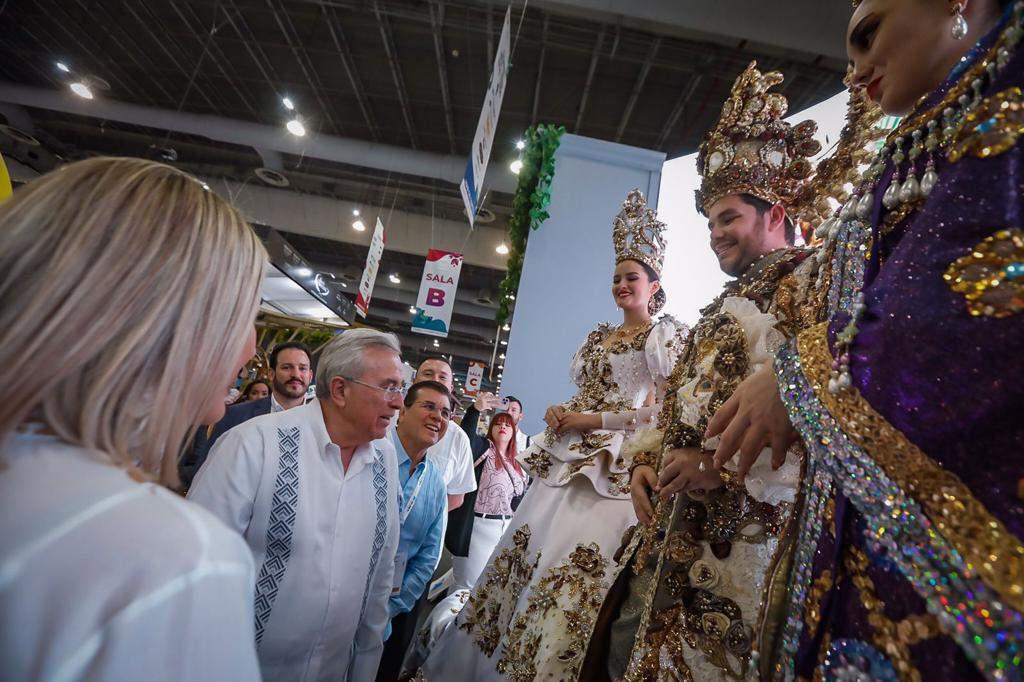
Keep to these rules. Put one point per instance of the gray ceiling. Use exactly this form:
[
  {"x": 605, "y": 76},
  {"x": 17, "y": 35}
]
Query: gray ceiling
[{"x": 407, "y": 76}]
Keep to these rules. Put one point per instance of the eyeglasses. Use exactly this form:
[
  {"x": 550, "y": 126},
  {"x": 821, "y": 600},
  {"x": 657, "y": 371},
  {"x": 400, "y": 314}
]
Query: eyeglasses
[
  {"x": 392, "y": 391},
  {"x": 446, "y": 414}
]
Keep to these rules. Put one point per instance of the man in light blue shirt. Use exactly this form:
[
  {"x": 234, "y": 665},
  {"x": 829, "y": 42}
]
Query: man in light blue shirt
[{"x": 422, "y": 504}]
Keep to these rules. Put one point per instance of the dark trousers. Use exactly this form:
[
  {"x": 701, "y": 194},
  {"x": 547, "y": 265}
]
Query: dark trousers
[{"x": 403, "y": 630}]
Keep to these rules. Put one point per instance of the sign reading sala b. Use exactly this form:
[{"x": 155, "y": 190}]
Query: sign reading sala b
[{"x": 436, "y": 300}]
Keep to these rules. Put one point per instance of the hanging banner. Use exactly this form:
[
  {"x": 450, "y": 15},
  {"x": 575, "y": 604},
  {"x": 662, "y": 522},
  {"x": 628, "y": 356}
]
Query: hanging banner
[
  {"x": 436, "y": 300},
  {"x": 370, "y": 271},
  {"x": 474, "y": 377},
  {"x": 480, "y": 152}
]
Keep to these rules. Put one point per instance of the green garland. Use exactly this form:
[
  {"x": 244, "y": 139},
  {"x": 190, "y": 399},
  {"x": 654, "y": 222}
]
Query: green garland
[{"x": 529, "y": 207}]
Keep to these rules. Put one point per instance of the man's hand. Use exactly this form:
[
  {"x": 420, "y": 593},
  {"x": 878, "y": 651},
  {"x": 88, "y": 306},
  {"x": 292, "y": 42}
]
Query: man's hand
[
  {"x": 687, "y": 469},
  {"x": 643, "y": 482},
  {"x": 486, "y": 401},
  {"x": 753, "y": 418}
]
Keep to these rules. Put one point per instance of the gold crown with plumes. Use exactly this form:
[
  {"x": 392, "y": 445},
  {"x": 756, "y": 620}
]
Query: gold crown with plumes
[
  {"x": 752, "y": 150},
  {"x": 842, "y": 167},
  {"x": 638, "y": 234}
]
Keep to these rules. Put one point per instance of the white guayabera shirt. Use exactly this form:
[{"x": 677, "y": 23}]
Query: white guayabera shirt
[
  {"x": 324, "y": 540},
  {"x": 106, "y": 578}
]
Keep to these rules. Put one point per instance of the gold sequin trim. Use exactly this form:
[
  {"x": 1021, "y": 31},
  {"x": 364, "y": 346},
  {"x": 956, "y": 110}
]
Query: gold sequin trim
[
  {"x": 991, "y": 129},
  {"x": 892, "y": 637},
  {"x": 988, "y": 548},
  {"x": 991, "y": 276}
]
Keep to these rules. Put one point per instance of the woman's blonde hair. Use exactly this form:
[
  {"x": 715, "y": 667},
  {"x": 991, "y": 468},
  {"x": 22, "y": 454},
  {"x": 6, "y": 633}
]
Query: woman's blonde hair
[{"x": 126, "y": 294}]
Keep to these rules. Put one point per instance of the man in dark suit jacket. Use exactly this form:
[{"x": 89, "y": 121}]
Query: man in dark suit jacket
[{"x": 291, "y": 365}]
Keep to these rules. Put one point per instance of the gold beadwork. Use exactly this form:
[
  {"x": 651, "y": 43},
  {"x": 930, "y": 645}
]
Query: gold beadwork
[
  {"x": 752, "y": 150},
  {"x": 638, "y": 234},
  {"x": 994, "y": 554},
  {"x": 991, "y": 129},
  {"x": 991, "y": 276}
]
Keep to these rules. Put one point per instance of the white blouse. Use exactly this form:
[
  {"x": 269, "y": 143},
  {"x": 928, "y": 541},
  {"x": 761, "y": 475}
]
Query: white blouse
[{"x": 105, "y": 578}]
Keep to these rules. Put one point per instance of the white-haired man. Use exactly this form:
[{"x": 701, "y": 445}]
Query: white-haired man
[{"x": 314, "y": 492}]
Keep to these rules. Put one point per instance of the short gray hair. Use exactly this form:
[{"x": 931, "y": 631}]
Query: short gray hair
[{"x": 343, "y": 357}]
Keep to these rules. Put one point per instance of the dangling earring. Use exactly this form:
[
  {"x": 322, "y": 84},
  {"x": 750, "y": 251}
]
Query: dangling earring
[{"x": 959, "y": 29}]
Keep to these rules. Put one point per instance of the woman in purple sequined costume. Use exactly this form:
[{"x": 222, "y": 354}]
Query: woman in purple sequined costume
[{"x": 910, "y": 397}]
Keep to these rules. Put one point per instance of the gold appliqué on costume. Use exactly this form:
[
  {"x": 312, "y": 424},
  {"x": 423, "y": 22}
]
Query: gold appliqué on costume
[
  {"x": 492, "y": 605},
  {"x": 892, "y": 637},
  {"x": 539, "y": 463},
  {"x": 991, "y": 129},
  {"x": 988, "y": 548},
  {"x": 991, "y": 277},
  {"x": 812, "y": 611},
  {"x": 573, "y": 590}
]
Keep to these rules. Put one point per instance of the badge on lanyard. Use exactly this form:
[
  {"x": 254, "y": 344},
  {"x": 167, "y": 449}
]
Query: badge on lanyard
[{"x": 400, "y": 561}]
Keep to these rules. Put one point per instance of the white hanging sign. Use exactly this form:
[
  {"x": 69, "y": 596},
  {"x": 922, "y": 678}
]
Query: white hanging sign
[
  {"x": 480, "y": 152},
  {"x": 474, "y": 377},
  {"x": 370, "y": 271},
  {"x": 436, "y": 299}
]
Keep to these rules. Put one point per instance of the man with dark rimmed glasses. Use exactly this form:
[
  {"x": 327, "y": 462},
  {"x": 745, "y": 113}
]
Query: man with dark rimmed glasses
[{"x": 315, "y": 493}]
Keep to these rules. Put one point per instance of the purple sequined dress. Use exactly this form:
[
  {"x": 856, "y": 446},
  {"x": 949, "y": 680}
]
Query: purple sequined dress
[{"x": 910, "y": 562}]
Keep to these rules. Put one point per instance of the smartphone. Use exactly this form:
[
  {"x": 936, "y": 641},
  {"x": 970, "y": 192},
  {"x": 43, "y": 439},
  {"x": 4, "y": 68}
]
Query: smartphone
[{"x": 504, "y": 402}]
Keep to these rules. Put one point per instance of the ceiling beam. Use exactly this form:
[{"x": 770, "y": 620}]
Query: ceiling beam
[
  {"x": 179, "y": 101},
  {"x": 540, "y": 71},
  {"x": 131, "y": 51},
  {"x": 677, "y": 110},
  {"x": 348, "y": 63},
  {"x": 219, "y": 58},
  {"x": 594, "y": 57},
  {"x": 389, "y": 158},
  {"x": 396, "y": 72},
  {"x": 638, "y": 87},
  {"x": 251, "y": 46},
  {"x": 437, "y": 22},
  {"x": 284, "y": 22},
  {"x": 54, "y": 48}
]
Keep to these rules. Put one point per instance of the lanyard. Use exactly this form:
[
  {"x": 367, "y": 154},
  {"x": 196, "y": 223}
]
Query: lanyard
[{"x": 411, "y": 502}]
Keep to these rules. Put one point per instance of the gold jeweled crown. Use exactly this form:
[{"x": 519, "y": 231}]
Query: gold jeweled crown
[
  {"x": 638, "y": 234},
  {"x": 752, "y": 150}
]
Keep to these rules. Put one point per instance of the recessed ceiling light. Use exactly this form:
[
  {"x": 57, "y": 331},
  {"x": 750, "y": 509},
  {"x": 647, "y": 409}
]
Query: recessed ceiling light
[
  {"x": 81, "y": 89},
  {"x": 506, "y": 327},
  {"x": 303, "y": 272},
  {"x": 355, "y": 212},
  {"x": 63, "y": 67},
  {"x": 516, "y": 166},
  {"x": 520, "y": 145},
  {"x": 288, "y": 104},
  {"x": 436, "y": 343},
  {"x": 295, "y": 127},
  {"x": 504, "y": 342},
  {"x": 395, "y": 279},
  {"x": 501, "y": 357},
  {"x": 412, "y": 309},
  {"x": 502, "y": 248},
  {"x": 359, "y": 226},
  {"x": 206, "y": 187}
]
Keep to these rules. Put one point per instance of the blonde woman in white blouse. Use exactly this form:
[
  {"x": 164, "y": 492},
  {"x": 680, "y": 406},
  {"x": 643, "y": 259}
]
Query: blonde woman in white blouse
[{"x": 127, "y": 299}]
